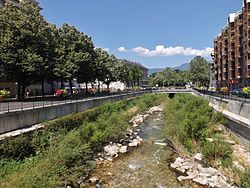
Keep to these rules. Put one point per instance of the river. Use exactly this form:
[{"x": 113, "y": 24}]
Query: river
[{"x": 143, "y": 167}]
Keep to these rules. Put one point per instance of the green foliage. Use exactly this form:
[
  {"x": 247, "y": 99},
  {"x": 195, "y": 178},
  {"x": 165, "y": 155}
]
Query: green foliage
[
  {"x": 246, "y": 90},
  {"x": 218, "y": 149},
  {"x": 16, "y": 148},
  {"x": 245, "y": 179},
  {"x": 200, "y": 71},
  {"x": 224, "y": 89},
  {"x": 189, "y": 120},
  {"x": 65, "y": 149},
  {"x": 4, "y": 94}
]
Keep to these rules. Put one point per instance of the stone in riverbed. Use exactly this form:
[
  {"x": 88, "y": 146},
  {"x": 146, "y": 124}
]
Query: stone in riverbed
[
  {"x": 111, "y": 150},
  {"x": 123, "y": 149},
  {"x": 198, "y": 157},
  {"x": 201, "y": 180}
]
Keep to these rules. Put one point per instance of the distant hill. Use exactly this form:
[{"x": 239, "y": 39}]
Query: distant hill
[
  {"x": 181, "y": 67},
  {"x": 151, "y": 71}
]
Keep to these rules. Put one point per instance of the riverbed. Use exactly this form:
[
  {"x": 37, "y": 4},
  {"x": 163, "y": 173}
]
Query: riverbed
[{"x": 145, "y": 166}]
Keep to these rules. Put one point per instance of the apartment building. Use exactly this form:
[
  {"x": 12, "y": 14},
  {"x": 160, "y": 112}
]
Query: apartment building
[{"x": 232, "y": 51}]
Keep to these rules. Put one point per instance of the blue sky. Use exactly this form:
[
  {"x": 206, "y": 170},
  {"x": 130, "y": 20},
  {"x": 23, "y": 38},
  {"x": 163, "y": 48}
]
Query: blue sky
[{"x": 156, "y": 33}]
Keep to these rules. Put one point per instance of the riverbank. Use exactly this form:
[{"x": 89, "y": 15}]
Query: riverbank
[
  {"x": 63, "y": 153},
  {"x": 194, "y": 128}
]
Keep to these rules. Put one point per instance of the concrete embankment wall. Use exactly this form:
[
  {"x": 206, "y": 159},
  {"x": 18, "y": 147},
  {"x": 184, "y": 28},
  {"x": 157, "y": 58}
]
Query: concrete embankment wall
[
  {"x": 236, "y": 107},
  {"x": 17, "y": 120},
  {"x": 241, "y": 109}
]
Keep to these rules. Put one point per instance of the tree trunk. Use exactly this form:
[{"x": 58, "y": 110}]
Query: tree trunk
[
  {"x": 70, "y": 86},
  {"x": 62, "y": 85},
  {"x": 108, "y": 87},
  {"x": 86, "y": 87},
  {"x": 23, "y": 90},
  {"x": 43, "y": 93},
  {"x": 98, "y": 86},
  {"x": 18, "y": 90}
]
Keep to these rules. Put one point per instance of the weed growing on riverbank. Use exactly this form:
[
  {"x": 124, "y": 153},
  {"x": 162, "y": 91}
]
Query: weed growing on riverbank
[
  {"x": 190, "y": 121},
  {"x": 65, "y": 149}
]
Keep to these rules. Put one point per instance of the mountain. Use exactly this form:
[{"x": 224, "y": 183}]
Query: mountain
[
  {"x": 181, "y": 67},
  {"x": 151, "y": 71}
]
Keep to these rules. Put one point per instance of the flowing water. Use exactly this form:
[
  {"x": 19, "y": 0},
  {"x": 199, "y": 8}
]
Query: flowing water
[{"x": 143, "y": 167}]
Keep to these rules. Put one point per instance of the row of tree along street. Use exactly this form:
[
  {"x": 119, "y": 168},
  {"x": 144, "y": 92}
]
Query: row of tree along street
[
  {"x": 198, "y": 73},
  {"x": 34, "y": 51}
]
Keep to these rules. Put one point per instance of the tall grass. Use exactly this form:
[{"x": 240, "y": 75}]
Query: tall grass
[{"x": 190, "y": 121}]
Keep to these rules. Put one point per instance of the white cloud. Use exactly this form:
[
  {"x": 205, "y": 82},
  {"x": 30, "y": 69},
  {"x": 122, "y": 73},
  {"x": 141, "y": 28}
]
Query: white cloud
[
  {"x": 122, "y": 49},
  {"x": 106, "y": 49},
  {"x": 161, "y": 50}
]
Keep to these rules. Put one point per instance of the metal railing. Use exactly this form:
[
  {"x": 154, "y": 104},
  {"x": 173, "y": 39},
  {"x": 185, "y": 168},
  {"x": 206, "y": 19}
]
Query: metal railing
[
  {"x": 229, "y": 96},
  {"x": 17, "y": 106}
]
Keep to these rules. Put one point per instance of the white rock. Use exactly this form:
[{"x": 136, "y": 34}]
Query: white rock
[
  {"x": 111, "y": 150},
  {"x": 238, "y": 166},
  {"x": 135, "y": 125},
  {"x": 123, "y": 149},
  {"x": 93, "y": 179},
  {"x": 132, "y": 144},
  {"x": 198, "y": 157},
  {"x": 201, "y": 180}
]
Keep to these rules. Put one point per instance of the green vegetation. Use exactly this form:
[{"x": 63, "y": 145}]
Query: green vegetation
[
  {"x": 191, "y": 125},
  {"x": 40, "y": 52},
  {"x": 198, "y": 73},
  {"x": 65, "y": 149},
  {"x": 190, "y": 122},
  {"x": 246, "y": 90},
  {"x": 3, "y": 94}
]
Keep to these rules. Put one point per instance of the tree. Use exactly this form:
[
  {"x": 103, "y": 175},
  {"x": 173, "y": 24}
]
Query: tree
[
  {"x": 109, "y": 70},
  {"x": 102, "y": 58},
  {"x": 123, "y": 72},
  {"x": 24, "y": 45},
  {"x": 199, "y": 71}
]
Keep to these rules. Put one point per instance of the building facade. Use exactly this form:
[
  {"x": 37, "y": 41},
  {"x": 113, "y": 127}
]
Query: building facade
[
  {"x": 144, "y": 80},
  {"x": 232, "y": 51}
]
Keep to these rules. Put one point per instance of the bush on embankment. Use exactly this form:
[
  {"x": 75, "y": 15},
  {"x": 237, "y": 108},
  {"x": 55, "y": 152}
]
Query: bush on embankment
[
  {"x": 65, "y": 149},
  {"x": 190, "y": 121}
]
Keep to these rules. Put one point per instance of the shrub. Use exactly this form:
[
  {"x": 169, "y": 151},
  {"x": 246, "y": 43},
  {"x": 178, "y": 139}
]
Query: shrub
[
  {"x": 218, "y": 149},
  {"x": 188, "y": 120},
  {"x": 246, "y": 90},
  {"x": 245, "y": 179},
  {"x": 61, "y": 93},
  {"x": 4, "y": 94},
  {"x": 224, "y": 89}
]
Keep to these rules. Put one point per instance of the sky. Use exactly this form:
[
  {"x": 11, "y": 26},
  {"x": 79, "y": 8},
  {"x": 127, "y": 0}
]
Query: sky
[{"x": 155, "y": 33}]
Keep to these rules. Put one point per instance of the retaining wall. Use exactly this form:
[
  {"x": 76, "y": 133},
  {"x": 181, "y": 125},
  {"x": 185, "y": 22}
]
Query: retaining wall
[{"x": 17, "y": 120}]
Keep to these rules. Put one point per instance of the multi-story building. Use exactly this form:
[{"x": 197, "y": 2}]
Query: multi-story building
[{"x": 232, "y": 51}]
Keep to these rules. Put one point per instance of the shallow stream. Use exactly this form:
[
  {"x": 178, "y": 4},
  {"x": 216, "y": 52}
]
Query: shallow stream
[{"x": 143, "y": 167}]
